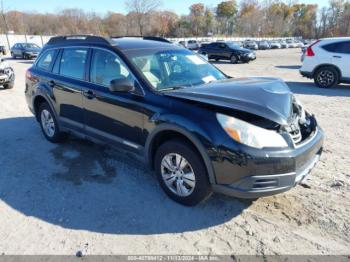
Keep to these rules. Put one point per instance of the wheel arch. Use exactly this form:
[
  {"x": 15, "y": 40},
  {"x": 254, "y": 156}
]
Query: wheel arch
[
  {"x": 37, "y": 101},
  {"x": 326, "y": 65},
  {"x": 164, "y": 132}
]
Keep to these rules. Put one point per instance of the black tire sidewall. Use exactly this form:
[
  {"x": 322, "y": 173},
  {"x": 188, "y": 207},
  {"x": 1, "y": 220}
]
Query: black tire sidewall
[
  {"x": 58, "y": 135},
  {"x": 9, "y": 85},
  {"x": 202, "y": 188},
  {"x": 331, "y": 69},
  {"x": 236, "y": 59}
]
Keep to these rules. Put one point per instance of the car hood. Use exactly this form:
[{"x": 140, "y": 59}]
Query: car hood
[
  {"x": 269, "y": 98},
  {"x": 244, "y": 50},
  {"x": 4, "y": 65}
]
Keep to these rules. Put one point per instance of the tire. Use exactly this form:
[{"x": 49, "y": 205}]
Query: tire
[
  {"x": 46, "y": 119},
  {"x": 186, "y": 189},
  {"x": 233, "y": 59},
  {"x": 9, "y": 85},
  {"x": 326, "y": 77},
  {"x": 205, "y": 54},
  {"x": 13, "y": 55}
]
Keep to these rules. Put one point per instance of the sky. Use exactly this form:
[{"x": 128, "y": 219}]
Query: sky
[{"x": 103, "y": 6}]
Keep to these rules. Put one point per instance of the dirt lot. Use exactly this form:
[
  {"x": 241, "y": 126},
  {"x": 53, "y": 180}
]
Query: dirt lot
[{"x": 60, "y": 199}]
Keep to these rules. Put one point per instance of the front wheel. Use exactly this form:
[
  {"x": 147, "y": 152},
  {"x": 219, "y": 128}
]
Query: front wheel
[
  {"x": 9, "y": 85},
  {"x": 49, "y": 124},
  {"x": 233, "y": 59},
  {"x": 326, "y": 77},
  {"x": 181, "y": 173}
]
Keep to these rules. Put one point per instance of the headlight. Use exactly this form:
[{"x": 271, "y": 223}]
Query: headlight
[{"x": 249, "y": 134}]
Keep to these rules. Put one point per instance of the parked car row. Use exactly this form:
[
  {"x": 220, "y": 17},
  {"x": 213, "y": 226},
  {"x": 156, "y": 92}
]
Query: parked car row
[
  {"x": 251, "y": 44},
  {"x": 272, "y": 44}
]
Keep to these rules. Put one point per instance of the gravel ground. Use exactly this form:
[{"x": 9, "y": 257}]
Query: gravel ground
[{"x": 78, "y": 196}]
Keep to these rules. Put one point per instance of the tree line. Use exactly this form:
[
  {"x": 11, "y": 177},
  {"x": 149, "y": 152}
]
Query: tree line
[{"x": 271, "y": 18}]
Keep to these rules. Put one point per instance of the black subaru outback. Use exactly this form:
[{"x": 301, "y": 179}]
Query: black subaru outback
[{"x": 200, "y": 130}]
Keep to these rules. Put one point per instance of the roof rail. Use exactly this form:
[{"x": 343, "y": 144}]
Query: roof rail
[
  {"x": 79, "y": 39},
  {"x": 152, "y": 38}
]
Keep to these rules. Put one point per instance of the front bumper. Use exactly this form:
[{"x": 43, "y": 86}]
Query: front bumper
[
  {"x": 261, "y": 173},
  {"x": 248, "y": 57},
  {"x": 6, "y": 79},
  {"x": 31, "y": 55}
]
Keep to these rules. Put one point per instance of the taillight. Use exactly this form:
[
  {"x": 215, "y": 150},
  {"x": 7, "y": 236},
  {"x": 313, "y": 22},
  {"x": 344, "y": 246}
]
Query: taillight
[
  {"x": 309, "y": 51},
  {"x": 30, "y": 77}
]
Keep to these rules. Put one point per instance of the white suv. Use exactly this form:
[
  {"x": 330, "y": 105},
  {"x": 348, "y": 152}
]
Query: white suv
[{"x": 327, "y": 61}]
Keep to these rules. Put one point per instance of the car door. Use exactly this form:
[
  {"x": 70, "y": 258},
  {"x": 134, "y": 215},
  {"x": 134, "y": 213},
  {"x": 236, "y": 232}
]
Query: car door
[
  {"x": 224, "y": 51},
  {"x": 17, "y": 50},
  {"x": 216, "y": 51},
  {"x": 68, "y": 81},
  {"x": 341, "y": 57},
  {"x": 115, "y": 116}
]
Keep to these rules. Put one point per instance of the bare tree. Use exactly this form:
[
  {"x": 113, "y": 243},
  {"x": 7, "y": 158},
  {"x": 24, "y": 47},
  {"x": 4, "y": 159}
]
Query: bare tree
[{"x": 141, "y": 9}]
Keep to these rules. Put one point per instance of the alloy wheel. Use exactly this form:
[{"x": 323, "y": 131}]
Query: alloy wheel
[
  {"x": 325, "y": 78},
  {"x": 178, "y": 174},
  {"x": 48, "y": 123}
]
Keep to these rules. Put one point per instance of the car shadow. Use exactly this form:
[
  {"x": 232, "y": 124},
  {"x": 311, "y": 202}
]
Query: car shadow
[
  {"x": 27, "y": 62},
  {"x": 309, "y": 88},
  {"x": 295, "y": 67},
  {"x": 224, "y": 62},
  {"x": 22, "y": 61},
  {"x": 84, "y": 186}
]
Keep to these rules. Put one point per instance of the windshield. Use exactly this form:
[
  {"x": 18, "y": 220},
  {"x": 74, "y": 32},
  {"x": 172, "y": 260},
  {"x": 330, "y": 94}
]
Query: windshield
[
  {"x": 30, "y": 46},
  {"x": 233, "y": 45},
  {"x": 175, "y": 68}
]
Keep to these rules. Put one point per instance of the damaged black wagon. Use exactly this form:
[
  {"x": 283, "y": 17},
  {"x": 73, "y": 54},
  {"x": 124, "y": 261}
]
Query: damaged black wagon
[{"x": 200, "y": 130}]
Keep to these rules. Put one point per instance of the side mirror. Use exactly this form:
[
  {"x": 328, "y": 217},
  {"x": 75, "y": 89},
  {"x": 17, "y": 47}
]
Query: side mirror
[{"x": 121, "y": 85}]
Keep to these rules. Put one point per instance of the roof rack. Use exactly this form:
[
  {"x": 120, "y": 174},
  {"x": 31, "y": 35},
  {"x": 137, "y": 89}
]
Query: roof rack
[
  {"x": 152, "y": 38},
  {"x": 79, "y": 39}
]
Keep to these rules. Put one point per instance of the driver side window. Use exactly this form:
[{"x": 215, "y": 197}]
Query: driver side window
[{"x": 105, "y": 67}]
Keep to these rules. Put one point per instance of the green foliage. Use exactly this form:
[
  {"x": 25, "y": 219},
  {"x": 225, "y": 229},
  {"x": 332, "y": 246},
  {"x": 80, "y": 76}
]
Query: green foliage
[{"x": 227, "y": 9}]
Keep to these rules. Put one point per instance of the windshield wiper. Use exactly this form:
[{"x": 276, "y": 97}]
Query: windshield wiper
[{"x": 171, "y": 88}]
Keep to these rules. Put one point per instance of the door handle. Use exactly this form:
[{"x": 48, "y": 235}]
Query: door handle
[
  {"x": 337, "y": 56},
  {"x": 52, "y": 83},
  {"x": 89, "y": 94}
]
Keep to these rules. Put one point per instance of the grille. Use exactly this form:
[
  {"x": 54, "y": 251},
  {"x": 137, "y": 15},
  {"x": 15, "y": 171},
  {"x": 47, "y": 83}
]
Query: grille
[{"x": 296, "y": 136}]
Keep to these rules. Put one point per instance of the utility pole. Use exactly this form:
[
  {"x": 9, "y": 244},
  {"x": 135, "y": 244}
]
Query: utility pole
[{"x": 5, "y": 23}]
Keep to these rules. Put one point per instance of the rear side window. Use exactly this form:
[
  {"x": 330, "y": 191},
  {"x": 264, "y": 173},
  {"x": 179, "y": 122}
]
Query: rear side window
[
  {"x": 46, "y": 60},
  {"x": 73, "y": 62},
  {"x": 340, "y": 47}
]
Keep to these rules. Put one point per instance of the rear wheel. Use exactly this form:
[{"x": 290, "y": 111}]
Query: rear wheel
[
  {"x": 49, "y": 124},
  {"x": 326, "y": 77},
  {"x": 181, "y": 173},
  {"x": 13, "y": 55}
]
